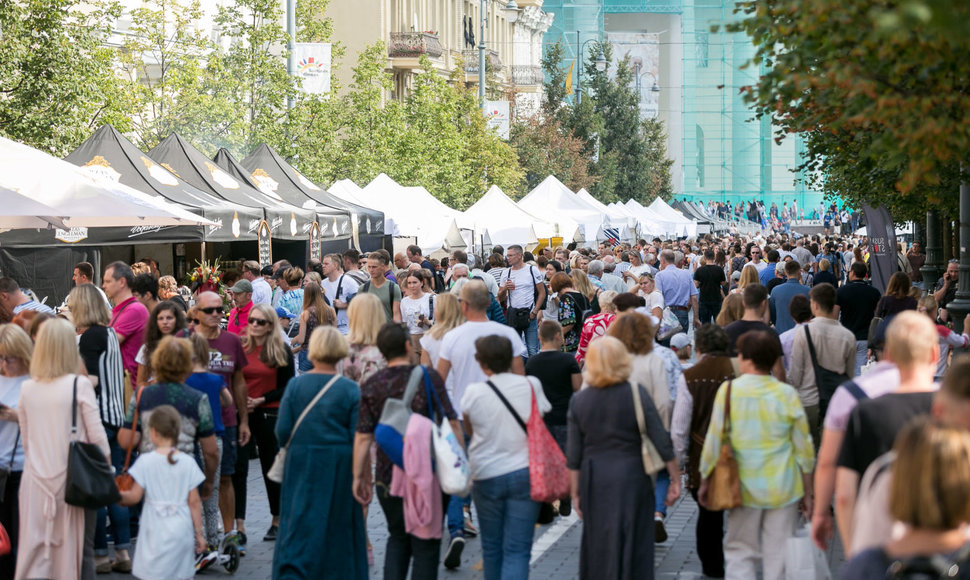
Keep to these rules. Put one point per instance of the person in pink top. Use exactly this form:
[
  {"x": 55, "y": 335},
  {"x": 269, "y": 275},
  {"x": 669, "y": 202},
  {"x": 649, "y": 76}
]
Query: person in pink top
[{"x": 129, "y": 316}]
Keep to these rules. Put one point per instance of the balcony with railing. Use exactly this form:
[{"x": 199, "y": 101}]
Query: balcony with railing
[
  {"x": 414, "y": 44},
  {"x": 493, "y": 63},
  {"x": 527, "y": 75}
]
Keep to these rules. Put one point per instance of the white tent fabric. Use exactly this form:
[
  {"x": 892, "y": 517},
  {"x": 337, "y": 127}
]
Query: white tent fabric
[
  {"x": 506, "y": 222},
  {"x": 350, "y": 192},
  {"x": 416, "y": 213},
  {"x": 555, "y": 202},
  {"x": 685, "y": 226},
  {"x": 21, "y": 212},
  {"x": 80, "y": 198},
  {"x": 650, "y": 222}
]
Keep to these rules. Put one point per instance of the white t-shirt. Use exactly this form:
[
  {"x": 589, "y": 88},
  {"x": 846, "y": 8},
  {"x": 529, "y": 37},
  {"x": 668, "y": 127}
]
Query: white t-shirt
[
  {"x": 412, "y": 309},
  {"x": 432, "y": 346},
  {"x": 525, "y": 278},
  {"x": 654, "y": 300},
  {"x": 348, "y": 289},
  {"x": 458, "y": 348},
  {"x": 499, "y": 445}
]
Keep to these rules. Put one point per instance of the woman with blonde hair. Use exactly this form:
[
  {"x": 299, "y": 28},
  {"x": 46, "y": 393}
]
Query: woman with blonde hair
[
  {"x": 315, "y": 312},
  {"x": 732, "y": 309},
  {"x": 749, "y": 275},
  {"x": 168, "y": 289},
  {"x": 610, "y": 488},
  {"x": 100, "y": 352},
  {"x": 51, "y": 531},
  {"x": 268, "y": 370},
  {"x": 648, "y": 291},
  {"x": 365, "y": 318},
  {"x": 15, "y": 353},
  {"x": 596, "y": 325},
  {"x": 582, "y": 285},
  {"x": 448, "y": 316},
  {"x": 930, "y": 495}
]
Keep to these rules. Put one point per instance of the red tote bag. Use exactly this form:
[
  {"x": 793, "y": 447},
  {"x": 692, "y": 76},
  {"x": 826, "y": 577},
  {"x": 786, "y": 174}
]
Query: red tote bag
[{"x": 548, "y": 475}]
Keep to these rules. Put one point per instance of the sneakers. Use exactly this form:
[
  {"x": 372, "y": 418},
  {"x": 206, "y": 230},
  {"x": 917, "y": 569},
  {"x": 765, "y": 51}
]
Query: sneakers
[
  {"x": 271, "y": 534},
  {"x": 205, "y": 559},
  {"x": 122, "y": 566},
  {"x": 470, "y": 530},
  {"x": 453, "y": 556},
  {"x": 565, "y": 507},
  {"x": 238, "y": 538},
  {"x": 659, "y": 532}
]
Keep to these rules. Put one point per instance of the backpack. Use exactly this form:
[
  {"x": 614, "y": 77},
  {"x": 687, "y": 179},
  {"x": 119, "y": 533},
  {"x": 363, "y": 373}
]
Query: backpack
[
  {"x": 390, "y": 294},
  {"x": 932, "y": 567},
  {"x": 439, "y": 283},
  {"x": 583, "y": 309}
]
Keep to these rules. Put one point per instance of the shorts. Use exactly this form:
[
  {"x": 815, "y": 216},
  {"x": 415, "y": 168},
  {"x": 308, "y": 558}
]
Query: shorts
[{"x": 230, "y": 447}]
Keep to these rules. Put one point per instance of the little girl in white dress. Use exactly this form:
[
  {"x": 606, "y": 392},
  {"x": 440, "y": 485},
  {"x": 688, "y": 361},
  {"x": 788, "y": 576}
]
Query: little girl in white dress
[{"x": 168, "y": 480}]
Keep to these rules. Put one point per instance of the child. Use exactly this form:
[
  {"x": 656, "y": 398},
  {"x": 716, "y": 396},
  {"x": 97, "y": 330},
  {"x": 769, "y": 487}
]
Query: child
[
  {"x": 214, "y": 386},
  {"x": 168, "y": 480}
]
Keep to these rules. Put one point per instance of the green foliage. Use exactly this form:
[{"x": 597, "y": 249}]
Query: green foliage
[
  {"x": 883, "y": 105},
  {"x": 555, "y": 81},
  {"x": 56, "y": 79},
  {"x": 545, "y": 148}
]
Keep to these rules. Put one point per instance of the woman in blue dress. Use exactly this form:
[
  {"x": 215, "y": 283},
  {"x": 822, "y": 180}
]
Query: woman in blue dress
[{"x": 321, "y": 532}]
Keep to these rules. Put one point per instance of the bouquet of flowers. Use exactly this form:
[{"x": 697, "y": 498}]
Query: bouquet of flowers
[{"x": 206, "y": 277}]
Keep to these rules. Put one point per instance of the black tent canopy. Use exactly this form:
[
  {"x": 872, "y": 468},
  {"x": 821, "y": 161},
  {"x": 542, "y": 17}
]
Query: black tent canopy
[
  {"x": 286, "y": 222},
  {"x": 268, "y": 167}
]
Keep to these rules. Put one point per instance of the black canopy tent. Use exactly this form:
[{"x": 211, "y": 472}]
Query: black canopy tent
[{"x": 268, "y": 167}]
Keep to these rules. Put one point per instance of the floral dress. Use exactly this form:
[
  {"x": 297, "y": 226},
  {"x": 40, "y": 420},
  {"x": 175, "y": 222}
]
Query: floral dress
[
  {"x": 569, "y": 313},
  {"x": 361, "y": 363},
  {"x": 594, "y": 327}
]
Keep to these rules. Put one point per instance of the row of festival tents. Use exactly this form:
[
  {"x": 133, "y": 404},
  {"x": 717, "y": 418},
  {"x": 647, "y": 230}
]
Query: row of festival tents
[{"x": 235, "y": 199}]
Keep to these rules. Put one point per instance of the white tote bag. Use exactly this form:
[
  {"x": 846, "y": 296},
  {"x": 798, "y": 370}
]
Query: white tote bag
[
  {"x": 803, "y": 560},
  {"x": 451, "y": 462}
]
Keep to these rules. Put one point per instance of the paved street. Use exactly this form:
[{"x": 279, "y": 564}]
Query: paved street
[{"x": 555, "y": 553}]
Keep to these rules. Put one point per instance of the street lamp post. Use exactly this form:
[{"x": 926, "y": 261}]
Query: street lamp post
[
  {"x": 639, "y": 75},
  {"x": 512, "y": 11},
  {"x": 960, "y": 307},
  {"x": 600, "y": 65}
]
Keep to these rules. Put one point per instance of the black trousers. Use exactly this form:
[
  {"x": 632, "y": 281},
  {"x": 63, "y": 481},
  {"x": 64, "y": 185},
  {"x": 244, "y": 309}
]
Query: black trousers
[
  {"x": 403, "y": 548},
  {"x": 262, "y": 425},
  {"x": 10, "y": 518},
  {"x": 710, "y": 539}
]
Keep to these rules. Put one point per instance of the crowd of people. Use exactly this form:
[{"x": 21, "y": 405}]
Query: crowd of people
[
  {"x": 835, "y": 220},
  {"x": 825, "y": 390}
]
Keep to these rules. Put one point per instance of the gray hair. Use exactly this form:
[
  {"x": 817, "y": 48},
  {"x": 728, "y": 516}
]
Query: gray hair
[
  {"x": 595, "y": 268},
  {"x": 461, "y": 266}
]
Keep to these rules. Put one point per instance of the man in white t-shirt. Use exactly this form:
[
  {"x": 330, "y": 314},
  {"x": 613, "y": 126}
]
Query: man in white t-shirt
[
  {"x": 339, "y": 287},
  {"x": 521, "y": 287}
]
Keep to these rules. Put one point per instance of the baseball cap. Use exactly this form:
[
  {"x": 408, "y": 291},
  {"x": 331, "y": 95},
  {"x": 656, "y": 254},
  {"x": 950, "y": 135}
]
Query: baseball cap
[
  {"x": 679, "y": 341},
  {"x": 242, "y": 286},
  {"x": 284, "y": 313}
]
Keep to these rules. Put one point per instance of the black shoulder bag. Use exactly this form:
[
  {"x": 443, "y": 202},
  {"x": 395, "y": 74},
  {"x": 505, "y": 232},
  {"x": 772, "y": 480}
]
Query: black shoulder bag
[
  {"x": 826, "y": 380},
  {"x": 90, "y": 478}
]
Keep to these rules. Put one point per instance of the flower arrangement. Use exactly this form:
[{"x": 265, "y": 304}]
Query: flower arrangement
[{"x": 205, "y": 276}]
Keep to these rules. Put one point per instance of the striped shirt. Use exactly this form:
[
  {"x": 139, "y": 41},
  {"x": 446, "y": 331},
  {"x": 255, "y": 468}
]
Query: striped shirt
[
  {"x": 101, "y": 353},
  {"x": 769, "y": 437},
  {"x": 33, "y": 305}
]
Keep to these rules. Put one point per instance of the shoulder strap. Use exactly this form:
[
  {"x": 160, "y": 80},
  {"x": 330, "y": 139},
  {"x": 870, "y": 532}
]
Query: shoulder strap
[
  {"x": 726, "y": 428},
  {"x": 74, "y": 409},
  {"x": 855, "y": 390},
  {"x": 416, "y": 378},
  {"x": 14, "y": 452},
  {"x": 509, "y": 405},
  {"x": 134, "y": 426},
  {"x": 340, "y": 282},
  {"x": 123, "y": 308},
  {"x": 309, "y": 406},
  {"x": 811, "y": 351},
  {"x": 638, "y": 409},
  {"x": 430, "y": 306},
  {"x": 365, "y": 287}
]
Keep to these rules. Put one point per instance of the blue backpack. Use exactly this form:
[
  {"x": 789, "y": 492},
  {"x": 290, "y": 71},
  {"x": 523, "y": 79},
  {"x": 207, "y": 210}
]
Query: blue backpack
[{"x": 393, "y": 423}]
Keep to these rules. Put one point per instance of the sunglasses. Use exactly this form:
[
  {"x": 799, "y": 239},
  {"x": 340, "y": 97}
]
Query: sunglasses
[
  {"x": 193, "y": 320},
  {"x": 258, "y": 321},
  {"x": 8, "y": 359},
  {"x": 211, "y": 310}
]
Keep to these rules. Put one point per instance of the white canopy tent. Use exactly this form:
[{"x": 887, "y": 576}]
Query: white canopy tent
[
  {"x": 651, "y": 222},
  {"x": 79, "y": 198},
  {"x": 506, "y": 222},
  {"x": 685, "y": 226},
  {"x": 416, "y": 213},
  {"x": 556, "y": 203},
  {"x": 350, "y": 192}
]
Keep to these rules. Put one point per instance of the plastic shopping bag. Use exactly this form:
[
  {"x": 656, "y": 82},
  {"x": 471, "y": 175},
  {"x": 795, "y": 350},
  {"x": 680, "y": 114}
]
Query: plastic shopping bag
[{"x": 803, "y": 560}]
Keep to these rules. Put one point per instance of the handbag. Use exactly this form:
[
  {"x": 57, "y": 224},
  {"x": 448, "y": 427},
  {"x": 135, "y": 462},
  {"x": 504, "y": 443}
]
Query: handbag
[
  {"x": 124, "y": 480},
  {"x": 90, "y": 478},
  {"x": 669, "y": 325},
  {"x": 393, "y": 423},
  {"x": 826, "y": 380},
  {"x": 275, "y": 472},
  {"x": 548, "y": 475},
  {"x": 652, "y": 462},
  {"x": 6, "y": 546},
  {"x": 519, "y": 318},
  {"x": 724, "y": 487},
  {"x": 450, "y": 461},
  {"x": 803, "y": 560}
]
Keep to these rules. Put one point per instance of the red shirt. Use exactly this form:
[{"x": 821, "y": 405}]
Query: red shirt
[
  {"x": 260, "y": 379},
  {"x": 129, "y": 318},
  {"x": 239, "y": 319}
]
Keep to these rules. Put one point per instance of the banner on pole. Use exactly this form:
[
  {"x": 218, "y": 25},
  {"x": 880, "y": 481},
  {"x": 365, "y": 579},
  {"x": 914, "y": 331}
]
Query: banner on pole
[
  {"x": 882, "y": 246},
  {"x": 497, "y": 113},
  {"x": 313, "y": 66}
]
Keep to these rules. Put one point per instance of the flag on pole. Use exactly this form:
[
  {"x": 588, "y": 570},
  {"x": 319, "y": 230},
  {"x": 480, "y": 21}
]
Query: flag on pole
[
  {"x": 612, "y": 236},
  {"x": 569, "y": 78}
]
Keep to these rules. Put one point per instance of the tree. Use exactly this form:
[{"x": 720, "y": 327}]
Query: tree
[
  {"x": 545, "y": 148},
  {"x": 884, "y": 108},
  {"x": 56, "y": 78},
  {"x": 555, "y": 80}
]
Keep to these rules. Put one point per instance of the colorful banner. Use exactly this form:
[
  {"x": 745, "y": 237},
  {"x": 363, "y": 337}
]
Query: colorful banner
[
  {"x": 882, "y": 246},
  {"x": 313, "y": 66},
  {"x": 497, "y": 113}
]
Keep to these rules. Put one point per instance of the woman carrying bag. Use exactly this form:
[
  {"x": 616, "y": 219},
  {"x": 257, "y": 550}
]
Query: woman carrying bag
[
  {"x": 15, "y": 354},
  {"x": 51, "y": 531},
  {"x": 611, "y": 490}
]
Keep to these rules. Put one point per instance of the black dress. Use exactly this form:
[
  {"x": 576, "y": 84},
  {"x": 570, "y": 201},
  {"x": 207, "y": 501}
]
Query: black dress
[{"x": 616, "y": 496}]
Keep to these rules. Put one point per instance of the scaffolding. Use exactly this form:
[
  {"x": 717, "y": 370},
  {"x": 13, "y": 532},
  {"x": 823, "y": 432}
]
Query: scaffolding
[{"x": 721, "y": 151}]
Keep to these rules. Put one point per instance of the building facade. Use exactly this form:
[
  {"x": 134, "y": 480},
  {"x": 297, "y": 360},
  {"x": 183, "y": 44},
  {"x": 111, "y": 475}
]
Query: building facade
[
  {"x": 691, "y": 77},
  {"x": 448, "y": 33}
]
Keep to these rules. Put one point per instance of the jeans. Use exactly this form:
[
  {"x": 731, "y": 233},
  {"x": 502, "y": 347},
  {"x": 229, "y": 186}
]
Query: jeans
[
  {"x": 682, "y": 316},
  {"x": 861, "y": 355},
  {"x": 660, "y": 491},
  {"x": 456, "y": 507},
  {"x": 402, "y": 547},
  {"x": 506, "y": 518},
  {"x": 708, "y": 311},
  {"x": 120, "y": 521},
  {"x": 531, "y": 337}
]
